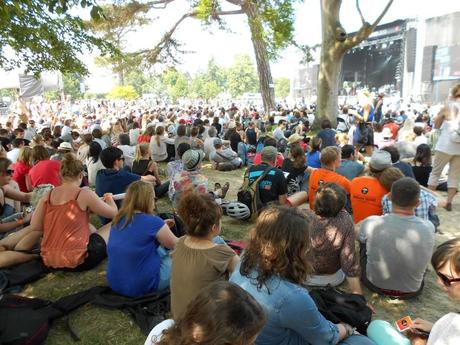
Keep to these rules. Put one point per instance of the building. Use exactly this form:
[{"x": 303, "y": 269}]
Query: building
[
  {"x": 405, "y": 58},
  {"x": 441, "y": 57}
]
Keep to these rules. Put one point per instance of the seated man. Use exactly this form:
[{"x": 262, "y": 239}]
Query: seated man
[
  {"x": 226, "y": 156},
  {"x": 405, "y": 168},
  {"x": 128, "y": 150},
  {"x": 366, "y": 192},
  {"x": 396, "y": 248},
  {"x": 330, "y": 161},
  {"x": 349, "y": 167},
  {"x": 114, "y": 178},
  {"x": 273, "y": 187}
]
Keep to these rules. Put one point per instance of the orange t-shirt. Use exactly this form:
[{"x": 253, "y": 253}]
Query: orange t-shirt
[
  {"x": 320, "y": 176},
  {"x": 366, "y": 197}
]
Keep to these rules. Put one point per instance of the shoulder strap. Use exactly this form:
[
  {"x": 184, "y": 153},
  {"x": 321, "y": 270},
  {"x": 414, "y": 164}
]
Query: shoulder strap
[
  {"x": 261, "y": 177},
  {"x": 78, "y": 194}
]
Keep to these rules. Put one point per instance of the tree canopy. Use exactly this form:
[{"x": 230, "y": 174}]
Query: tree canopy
[{"x": 39, "y": 35}]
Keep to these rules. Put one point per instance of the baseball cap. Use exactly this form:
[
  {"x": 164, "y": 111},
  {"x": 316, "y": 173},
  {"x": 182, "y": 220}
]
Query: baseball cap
[
  {"x": 380, "y": 160},
  {"x": 269, "y": 154}
]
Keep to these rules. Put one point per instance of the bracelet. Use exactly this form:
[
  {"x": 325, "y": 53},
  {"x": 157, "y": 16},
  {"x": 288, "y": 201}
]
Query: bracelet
[
  {"x": 20, "y": 221},
  {"x": 350, "y": 329}
]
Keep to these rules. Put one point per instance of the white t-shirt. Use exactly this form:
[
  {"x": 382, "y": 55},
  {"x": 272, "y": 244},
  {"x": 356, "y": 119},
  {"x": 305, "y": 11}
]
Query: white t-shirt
[
  {"x": 445, "y": 144},
  {"x": 156, "y": 332},
  {"x": 446, "y": 331}
]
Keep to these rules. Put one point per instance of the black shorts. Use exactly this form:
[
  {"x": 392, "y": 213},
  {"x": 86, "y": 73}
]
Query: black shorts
[{"x": 97, "y": 251}]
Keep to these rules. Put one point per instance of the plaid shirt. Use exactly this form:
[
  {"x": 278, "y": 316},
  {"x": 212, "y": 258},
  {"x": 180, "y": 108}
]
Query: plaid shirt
[{"x": 427, "y": 201}]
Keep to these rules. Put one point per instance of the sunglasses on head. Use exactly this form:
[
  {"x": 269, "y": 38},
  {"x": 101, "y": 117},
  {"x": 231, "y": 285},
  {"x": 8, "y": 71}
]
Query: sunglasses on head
[{"x": 446, "y": 280}]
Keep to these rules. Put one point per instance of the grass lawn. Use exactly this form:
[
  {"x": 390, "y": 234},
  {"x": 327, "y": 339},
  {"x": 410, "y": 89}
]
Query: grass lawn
[{"x": 102, "y": 326}]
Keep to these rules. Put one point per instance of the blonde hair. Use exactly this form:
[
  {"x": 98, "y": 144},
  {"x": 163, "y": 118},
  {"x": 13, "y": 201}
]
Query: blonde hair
[
  {"x": 26, "y": 155},
  {"x": 71, "y": 166},
  {"x": 141, "y": 150},
  {"x": 37, "y": 140},
  {"x": 160, "y": 131},
  {"x": 2, "y": 152},
  {"x": 140, "y": 197},
  {"x": 329, "y": 155}
]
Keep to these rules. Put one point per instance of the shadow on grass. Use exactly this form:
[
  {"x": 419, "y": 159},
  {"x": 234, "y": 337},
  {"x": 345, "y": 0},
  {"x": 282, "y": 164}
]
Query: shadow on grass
[{"x": 101, "y": 326}]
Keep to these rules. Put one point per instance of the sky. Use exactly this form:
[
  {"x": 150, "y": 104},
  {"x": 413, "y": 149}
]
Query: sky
[{"x": 224, "y": 45}]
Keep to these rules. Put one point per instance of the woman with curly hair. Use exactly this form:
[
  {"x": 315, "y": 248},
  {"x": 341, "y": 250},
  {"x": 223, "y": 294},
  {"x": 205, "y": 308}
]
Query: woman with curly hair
[
  {"x": 200, "y": 257},
  {"x": 221, "y": 314},
  {"x": 273, "y": 270}
]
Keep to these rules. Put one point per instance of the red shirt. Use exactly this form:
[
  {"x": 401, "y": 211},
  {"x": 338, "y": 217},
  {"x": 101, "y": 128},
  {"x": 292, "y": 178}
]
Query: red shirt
[
  {"x": 278, "y": 163},
  {"x": 21, "y": 169},
  {"x": 45, "y": 172},
  {"x": 394, "y": 128},
  {"x": 143, "y": 139}
]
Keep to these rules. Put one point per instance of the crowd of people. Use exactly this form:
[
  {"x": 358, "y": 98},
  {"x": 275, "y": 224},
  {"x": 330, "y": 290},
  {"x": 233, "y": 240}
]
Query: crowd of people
[{"x": 374, "y": 180}]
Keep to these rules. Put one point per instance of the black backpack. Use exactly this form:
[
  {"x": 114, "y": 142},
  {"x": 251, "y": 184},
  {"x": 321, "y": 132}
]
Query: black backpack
[
  {"x": 338, "y": 306},
  {"x": 26, "y": 320}
]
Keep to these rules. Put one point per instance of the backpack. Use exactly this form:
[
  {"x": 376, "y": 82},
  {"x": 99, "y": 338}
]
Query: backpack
[
  {"x": 178, "y": 229},
  {"x": 26, "y": 320},
  {"x": 226, "y": 165},
  {"x": 338, "y": 306},
  {"x": 249, "y": 193},
  {"x": 147, "y": 311}
]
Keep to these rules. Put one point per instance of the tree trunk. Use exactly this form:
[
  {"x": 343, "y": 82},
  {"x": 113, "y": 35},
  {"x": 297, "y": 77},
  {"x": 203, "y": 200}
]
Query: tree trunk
[
  {"x": 121, "y": 77},
  {"x": 332, "y": 52},
  {"x": 267, "y": 87},
  {"x": 328, "y": 86}
]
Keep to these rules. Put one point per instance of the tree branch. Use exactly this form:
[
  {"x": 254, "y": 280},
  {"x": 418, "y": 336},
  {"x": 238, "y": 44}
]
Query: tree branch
[
  {"x": 227, "y": 13},
  {"x": 152, "y": 55},
  {"x": 379, "y": 18},
  {"x": 365, "y": 30},
  {"x": 360, "y": 12},
  {"x": 235, "y": 2},
  {"x": 154, "y": 4}
]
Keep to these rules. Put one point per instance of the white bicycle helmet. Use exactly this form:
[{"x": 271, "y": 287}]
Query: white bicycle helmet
[{"x": 237, "y": 210}]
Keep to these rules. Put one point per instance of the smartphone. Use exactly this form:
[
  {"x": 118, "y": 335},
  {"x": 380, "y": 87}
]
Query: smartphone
[{"x": 404, "y": 324}]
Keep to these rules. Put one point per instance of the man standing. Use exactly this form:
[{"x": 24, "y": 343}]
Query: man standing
[{"x": 396, "y": 248}]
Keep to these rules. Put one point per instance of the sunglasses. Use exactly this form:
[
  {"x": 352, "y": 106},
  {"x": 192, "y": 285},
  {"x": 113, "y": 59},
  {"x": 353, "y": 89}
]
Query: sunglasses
[
  {"x": 446, "y": 280},
  {"x": 9, "y": 172},
  {"x": 121, "y": 159}
]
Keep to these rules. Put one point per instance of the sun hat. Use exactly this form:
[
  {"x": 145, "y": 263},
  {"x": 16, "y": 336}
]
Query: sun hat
[
  {"x": 386, "y": 132},
  {"x": 294, "y": 138},
  {"x": 191, "y": 159},
  {"x": 65, "y": 146}
]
